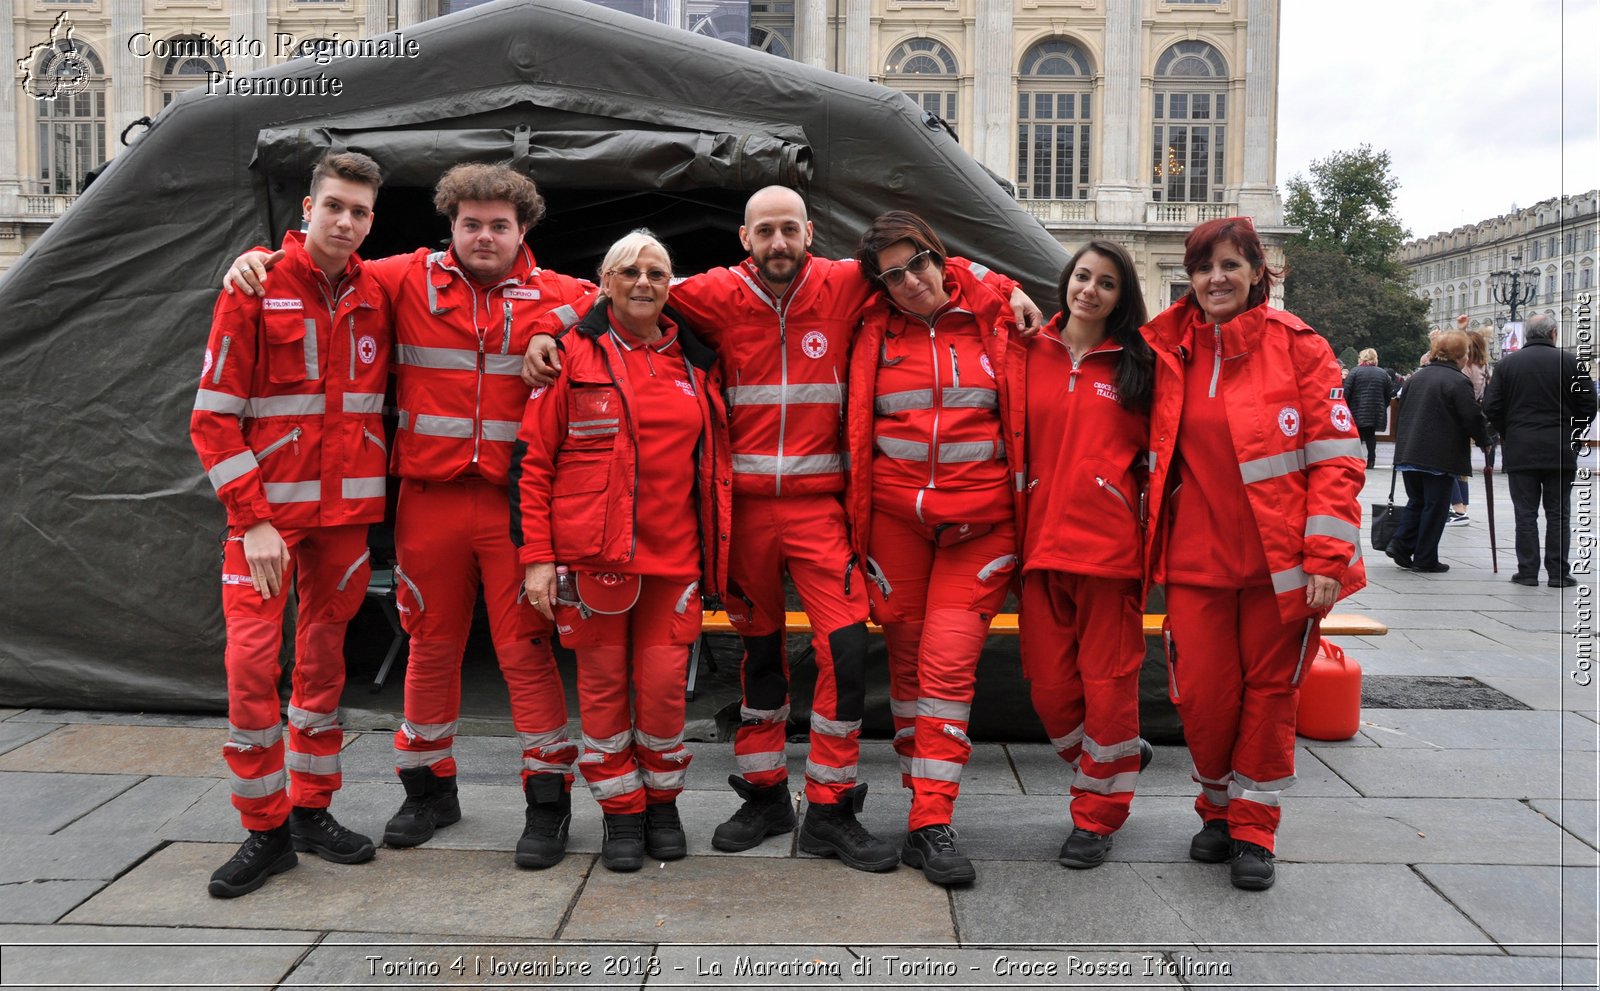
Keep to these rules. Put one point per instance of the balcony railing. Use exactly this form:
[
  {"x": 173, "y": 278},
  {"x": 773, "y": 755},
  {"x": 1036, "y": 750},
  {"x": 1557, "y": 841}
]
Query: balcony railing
[
  {"x": 1060, "y": 211},
  {"x": 1187, "y": 214},
  {"x": 45, "y": 204}
]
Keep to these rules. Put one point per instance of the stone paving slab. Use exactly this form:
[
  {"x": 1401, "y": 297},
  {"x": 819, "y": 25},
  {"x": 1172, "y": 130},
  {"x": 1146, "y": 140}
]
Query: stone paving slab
[
  {"x": 111, "y": 749},
  {"x": 345, "y": 959},
  {"x": 68, "y": 956},
  {"x": 1539, "y": 905},
  {"x": 479, "y": 760},
  {"x": 1492, "y": 662},
  {"x": 900, "y": 966},
  {"x": 39, "y": 803},
  {"x": 704, "y": 899},
  {"x": 1422, "y": 830},
  {"x": 7, "y": 713},
  {"x": 63, "y": 858},
  {"x": 1194, "y": 903},
  {"x": 1576, "y": 816},
  {"x": 179, "y": 719},
  {"x": 1461, "y": 729},
  {"x": 1044, "y": 773},
  {"x": 1383, "y": 971},
  {"x": 152, "y": 807},
  {"x": 1547, "y": 692},
  {"x": 400, "y": 889},
  {"x": 14, "y": 735},
  {"x": 1385, "y": 772},
  {"x": 43, "y": 901}
]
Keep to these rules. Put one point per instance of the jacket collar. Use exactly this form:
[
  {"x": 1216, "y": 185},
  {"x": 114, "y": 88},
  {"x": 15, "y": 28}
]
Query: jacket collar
[{"x": 598, "y": 323}]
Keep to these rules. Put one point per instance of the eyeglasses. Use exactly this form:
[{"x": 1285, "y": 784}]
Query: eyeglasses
[
  {"x": 632, "y": 272},
  {"x": 917, "y": 263}
]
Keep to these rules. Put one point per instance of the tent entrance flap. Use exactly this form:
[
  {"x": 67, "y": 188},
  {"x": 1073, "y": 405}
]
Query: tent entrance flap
[{"x": 635, "y": 158}]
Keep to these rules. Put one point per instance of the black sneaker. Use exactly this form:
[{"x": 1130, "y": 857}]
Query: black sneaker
[
  {"x": 832, "y": 830},
  {"x": 263, "y": 854},
  {"x": 663, "y": 832},
  {"x": 933, "y": 850},
  {"x": 1085, "y": 849},
  {"x": 1147, "y": 753},
  {"x": 1436, "y": 568},
  {"x": 431, "y": 802},
  {"x": 766, "y": 812},
  {"x": 1400, "y": 557},
  {"x": 1567, "y": 582},
  {"x": 623, "y": 847},
  {"x": 317, "y": 831},
  {"x": 547, "y": 821},
  {"x": 1211, "y": 844},
  {"x": 1251, "y": 867}
]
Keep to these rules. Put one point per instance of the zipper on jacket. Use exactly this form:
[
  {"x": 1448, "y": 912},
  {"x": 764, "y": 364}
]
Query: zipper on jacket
[
  {"x": 633, "y": 438},
  {"x": 222, "y": 358},
  {"x": 505, "y": 333},
  {"x": 1114, "y": 491},
  {"x": 955, "y": 369},
  {"x": 275, "y": 446},
  {"x": 375, "y": 440},
  {"x": 938, "y": 407},
  {"x": 1216, "y": 360},
  {"x": 477, "y": 409},
  {"x": 783, "y": 396}
]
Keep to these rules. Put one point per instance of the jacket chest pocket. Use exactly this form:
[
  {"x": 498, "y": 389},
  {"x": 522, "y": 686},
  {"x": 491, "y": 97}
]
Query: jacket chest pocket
[
  {"x": 291, "y": 346},
  {"x": 594, "y": 418}
]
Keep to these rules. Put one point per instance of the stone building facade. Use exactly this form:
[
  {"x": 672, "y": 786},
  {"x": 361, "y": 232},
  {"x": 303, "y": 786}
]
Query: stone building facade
[{"x": 1126, "y": 119}]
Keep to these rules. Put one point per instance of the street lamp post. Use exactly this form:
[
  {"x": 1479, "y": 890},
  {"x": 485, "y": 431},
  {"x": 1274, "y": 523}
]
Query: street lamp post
[{"x": 1509, "y": 290}]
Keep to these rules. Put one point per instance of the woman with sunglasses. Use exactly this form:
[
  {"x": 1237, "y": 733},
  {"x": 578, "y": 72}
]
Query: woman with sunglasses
[
  {"x": 1088, "y": 400},
  {"x": 632, "y": 435},
  {"x": 934, "y": 437}
]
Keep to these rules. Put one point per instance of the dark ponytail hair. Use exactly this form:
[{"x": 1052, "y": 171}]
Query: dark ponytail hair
[{"x": 1136, "y": 364}]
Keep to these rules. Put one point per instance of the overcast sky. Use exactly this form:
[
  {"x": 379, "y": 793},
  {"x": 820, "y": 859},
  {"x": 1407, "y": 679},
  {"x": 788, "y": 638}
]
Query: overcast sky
[{"x": 1477, "y": 109}]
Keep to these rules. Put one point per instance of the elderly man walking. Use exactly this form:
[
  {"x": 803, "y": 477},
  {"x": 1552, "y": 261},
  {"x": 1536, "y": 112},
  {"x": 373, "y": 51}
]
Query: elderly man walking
[{"x": 1541, "y": 400}]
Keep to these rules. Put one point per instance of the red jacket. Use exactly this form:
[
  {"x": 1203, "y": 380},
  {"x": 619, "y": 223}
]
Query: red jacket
[
  {"x": 1299, "y": 458},
  {"x": 458, "y": 359},
  {"x": 288, "y": 421},
  {"x": 578, "y": 460},
  {"x": 968, "y": 297},
  {"x": 1085, "y": 460}
]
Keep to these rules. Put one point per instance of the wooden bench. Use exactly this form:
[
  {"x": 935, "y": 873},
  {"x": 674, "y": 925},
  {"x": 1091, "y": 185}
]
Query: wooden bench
[{"x": 1005, "y": 625}]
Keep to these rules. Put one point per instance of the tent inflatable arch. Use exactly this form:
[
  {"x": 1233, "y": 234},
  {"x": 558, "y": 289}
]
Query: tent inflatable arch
[{"x": 110, "y": 596}]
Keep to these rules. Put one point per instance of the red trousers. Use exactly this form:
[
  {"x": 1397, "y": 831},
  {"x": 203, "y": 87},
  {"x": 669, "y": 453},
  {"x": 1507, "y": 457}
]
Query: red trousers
[
  {"x": 1235, "y": 671},
  {"x": 635, "y": 758},
  {"x": 1082, "y": 647},
  {"x": 804, "y": 535},
  {"x": 328, "y": 566},
  {"x": 450, "y": 537},
  {"x": 935, "y": 617}
]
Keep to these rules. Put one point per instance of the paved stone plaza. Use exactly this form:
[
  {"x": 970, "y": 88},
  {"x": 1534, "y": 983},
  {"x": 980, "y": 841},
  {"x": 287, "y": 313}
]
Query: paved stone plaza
[{"x": 1444, "y": 847}]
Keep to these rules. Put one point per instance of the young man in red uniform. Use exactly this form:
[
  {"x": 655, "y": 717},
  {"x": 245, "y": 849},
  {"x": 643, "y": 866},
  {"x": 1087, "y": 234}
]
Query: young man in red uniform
[
  {"x": 286, "y": 423},
  {"x": 781, "y": 322},
  {"x": 463, "y": 318}
]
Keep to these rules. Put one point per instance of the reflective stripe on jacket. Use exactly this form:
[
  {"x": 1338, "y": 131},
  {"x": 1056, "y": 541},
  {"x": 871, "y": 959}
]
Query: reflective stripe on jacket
[
  {"x": 1300, "y": 459},
  {"x": 458, "y": 359},
  {"x": 288, "y": 419}
]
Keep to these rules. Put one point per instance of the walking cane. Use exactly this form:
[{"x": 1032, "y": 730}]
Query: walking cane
[{"x": 1488, "y": 501}]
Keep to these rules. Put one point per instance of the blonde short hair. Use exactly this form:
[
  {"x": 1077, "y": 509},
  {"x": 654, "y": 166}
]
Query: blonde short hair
[
  {"x": 1368, "y": 356},
  {"x": 629, "y": 247}
]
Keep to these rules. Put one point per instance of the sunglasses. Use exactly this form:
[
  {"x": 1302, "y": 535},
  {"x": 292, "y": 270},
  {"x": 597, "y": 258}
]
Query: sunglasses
[
  {"x": 917, "y": 263},
  {"x": 632, "y": 272}
]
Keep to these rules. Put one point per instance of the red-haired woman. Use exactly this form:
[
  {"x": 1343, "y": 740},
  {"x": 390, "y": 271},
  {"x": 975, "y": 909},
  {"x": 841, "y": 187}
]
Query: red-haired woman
[
  {"x": 935, "y": 440},
  {"x": 1256, "y": 466},
  {"x": 1088, "y": 400}
]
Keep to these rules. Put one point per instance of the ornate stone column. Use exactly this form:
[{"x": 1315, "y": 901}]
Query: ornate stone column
[
  {"x": 11, "y": 170},
  {"x": 412, "y": 12},
  {"x": 127, "y": 71},
  {"x": 1258, "y": 196},
  {"x": 993, "y": 111},
  {"x": 1121, "y": 193},
  {"x": 248, "y": 19},
  {"x": 857, "y": 38},
  {"x": 811, "y": 32}
]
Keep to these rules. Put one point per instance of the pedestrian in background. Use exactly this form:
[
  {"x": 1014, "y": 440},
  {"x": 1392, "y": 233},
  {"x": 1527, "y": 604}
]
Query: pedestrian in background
[
  {"x": 1367, "y": 391},
  {"x": 1541, "y": 400},
  {"x": 1476, "y": 368},
  {"x": 1438, "y": 415}
]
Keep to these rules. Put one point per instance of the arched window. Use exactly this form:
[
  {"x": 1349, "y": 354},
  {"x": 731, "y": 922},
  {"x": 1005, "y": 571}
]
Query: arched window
[
  {"x": 1053, "y": 122},
  {"x": 193, "y": 57},
  {"x": 924, "y": 70},
  {"x": 70, "y": 85},
  {"x": 738, "y": 29},
  {"x": 1191, "y": 108}
]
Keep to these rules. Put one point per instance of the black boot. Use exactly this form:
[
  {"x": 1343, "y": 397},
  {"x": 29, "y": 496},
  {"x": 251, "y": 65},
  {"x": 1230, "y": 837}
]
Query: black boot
[
  {"x": 766, "y": 812},
  {"x": 1251, "y": 866},
  {"x": 1147, "y": 753},
  {"x": 263, "y": 854},
  {"x": 1085, "y": 848},
  {"x": 933, "y": 850},
  {"x": 549, "y": 816},
  {"x": 663, "y": 832},
  {"x": 833, "y": 831},
  {"x": 1210, "y": 845},
  {"x": 623, "y": 847},
  {"x": 317, "y": 831},
  {"x": 430, "y": 803}
]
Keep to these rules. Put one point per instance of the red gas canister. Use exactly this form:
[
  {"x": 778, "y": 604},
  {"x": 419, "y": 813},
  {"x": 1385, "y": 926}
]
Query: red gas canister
[{"x": 1330, "y": 696}]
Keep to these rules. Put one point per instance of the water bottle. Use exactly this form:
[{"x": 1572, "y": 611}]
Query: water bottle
[{"x": 566, "y": 586}]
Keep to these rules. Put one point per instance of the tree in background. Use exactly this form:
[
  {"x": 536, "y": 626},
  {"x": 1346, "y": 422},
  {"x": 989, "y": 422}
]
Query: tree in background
[{"x": 1344, "y": 277}]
